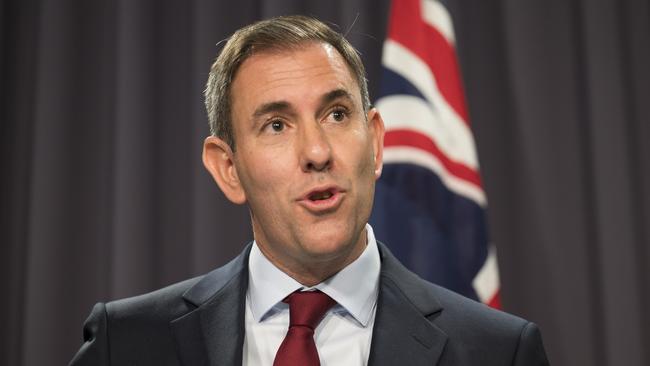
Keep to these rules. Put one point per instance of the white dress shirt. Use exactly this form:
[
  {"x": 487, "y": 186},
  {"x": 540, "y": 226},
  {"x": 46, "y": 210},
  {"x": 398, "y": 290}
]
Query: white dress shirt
[{"x": 343, "y": 336}]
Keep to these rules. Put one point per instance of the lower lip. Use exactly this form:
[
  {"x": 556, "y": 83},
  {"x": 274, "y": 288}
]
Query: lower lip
[{"x": 322, "y": 206}]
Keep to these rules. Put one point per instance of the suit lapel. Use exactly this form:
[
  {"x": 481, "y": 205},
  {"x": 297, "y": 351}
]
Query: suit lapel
[
  {"x": 213, "y": 333},
  {"x": 403, "y": 333}
]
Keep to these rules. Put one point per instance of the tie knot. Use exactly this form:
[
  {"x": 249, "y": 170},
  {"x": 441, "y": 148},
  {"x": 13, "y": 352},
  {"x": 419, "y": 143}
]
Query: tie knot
[{"x": 308, "y": 308}]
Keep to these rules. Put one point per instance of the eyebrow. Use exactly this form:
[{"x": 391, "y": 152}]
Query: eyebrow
[
  {"x": 331, "y": 96},
  {"x": 278, "y": 106}
]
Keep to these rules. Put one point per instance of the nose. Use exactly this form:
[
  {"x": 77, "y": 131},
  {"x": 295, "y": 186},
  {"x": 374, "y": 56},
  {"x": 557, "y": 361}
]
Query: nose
[{"x": 315, "y": 149}]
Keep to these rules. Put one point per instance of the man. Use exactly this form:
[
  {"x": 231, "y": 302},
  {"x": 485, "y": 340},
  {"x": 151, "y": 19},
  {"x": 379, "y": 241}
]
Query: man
[{"x": 295, "y": 138}]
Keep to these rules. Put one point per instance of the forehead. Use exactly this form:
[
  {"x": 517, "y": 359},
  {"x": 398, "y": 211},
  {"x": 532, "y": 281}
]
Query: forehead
[{"x": 292, "y": 73}]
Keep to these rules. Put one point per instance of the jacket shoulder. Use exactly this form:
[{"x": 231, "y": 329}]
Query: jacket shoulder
[
  {"x": 162, "y": 304},
  {"x": 475, "y": 333},
  {"x": 134, "y": 330},
  {"x": 459, "y": 310},
  {"x": 479, "y": 333}
]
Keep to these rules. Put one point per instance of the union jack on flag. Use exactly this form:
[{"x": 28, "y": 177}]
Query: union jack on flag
[{"x": 430, "y": 204}]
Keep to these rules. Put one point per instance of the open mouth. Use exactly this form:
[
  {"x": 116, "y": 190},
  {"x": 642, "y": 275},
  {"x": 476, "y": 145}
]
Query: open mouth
[
  {"x": 323, "y": 200},
  {"x": 321, "y": 195}
]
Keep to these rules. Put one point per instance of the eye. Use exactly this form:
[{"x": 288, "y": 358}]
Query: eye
[
  {"x": 276, "y": 126},
  {"x": 339, "y": 114}
]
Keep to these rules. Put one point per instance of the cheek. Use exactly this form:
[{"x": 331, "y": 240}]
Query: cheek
[
  {"x": 264, "y": 173},
  {"x": 362, "y": 151}
]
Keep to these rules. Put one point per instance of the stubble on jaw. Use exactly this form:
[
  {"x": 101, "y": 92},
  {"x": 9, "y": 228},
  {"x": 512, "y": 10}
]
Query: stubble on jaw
[{"x": 319, "y": 268}]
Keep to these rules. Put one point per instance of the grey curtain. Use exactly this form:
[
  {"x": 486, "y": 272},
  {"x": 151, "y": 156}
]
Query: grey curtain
[{"x": 103, "y": 195}]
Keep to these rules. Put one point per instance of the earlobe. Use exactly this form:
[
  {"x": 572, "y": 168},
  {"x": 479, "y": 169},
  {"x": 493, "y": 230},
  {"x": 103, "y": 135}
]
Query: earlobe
[
  {"x": 376, "y": 125},
  {"x": 218, "y": 160}
]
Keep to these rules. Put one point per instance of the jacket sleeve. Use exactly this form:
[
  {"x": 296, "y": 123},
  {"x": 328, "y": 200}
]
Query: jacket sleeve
[
  {"x": 530, "y": 350},
  {"x": 94, "y": 351}
]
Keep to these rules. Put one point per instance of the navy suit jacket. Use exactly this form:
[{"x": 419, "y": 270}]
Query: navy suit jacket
[{"x": 201, "y": 322}]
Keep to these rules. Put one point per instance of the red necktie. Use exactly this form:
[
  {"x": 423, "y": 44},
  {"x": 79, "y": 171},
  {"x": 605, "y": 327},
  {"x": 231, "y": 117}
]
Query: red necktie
[{"x": 306, "y": 310}]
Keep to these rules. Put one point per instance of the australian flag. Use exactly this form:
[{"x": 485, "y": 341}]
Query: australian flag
[{"x": 430, "y": 204}]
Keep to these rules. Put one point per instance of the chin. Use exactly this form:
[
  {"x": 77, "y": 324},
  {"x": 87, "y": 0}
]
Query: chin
[{"x": 331, "y": 243}]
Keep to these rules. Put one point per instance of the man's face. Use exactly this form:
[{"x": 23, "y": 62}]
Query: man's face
[{"x": 307, "y": 156}]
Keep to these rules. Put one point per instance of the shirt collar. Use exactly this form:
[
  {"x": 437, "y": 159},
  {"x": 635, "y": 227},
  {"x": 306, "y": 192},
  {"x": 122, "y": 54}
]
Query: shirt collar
[{"x": 354, "y": 288}]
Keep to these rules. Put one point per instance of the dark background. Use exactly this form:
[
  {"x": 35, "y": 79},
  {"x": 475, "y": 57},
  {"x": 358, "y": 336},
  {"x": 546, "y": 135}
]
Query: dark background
[{"x": 103, "y": 195}]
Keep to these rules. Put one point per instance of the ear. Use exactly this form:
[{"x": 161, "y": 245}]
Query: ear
[
  {"x": 377, "y": 130},
  {"x": 218, "y": 160}
]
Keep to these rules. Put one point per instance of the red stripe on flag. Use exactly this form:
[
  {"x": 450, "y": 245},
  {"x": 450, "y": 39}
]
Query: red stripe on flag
[
  {"x": 495, "y": 301},
  {"x": 417, "y": 140},
  {"x": 407, "y": 27}
]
